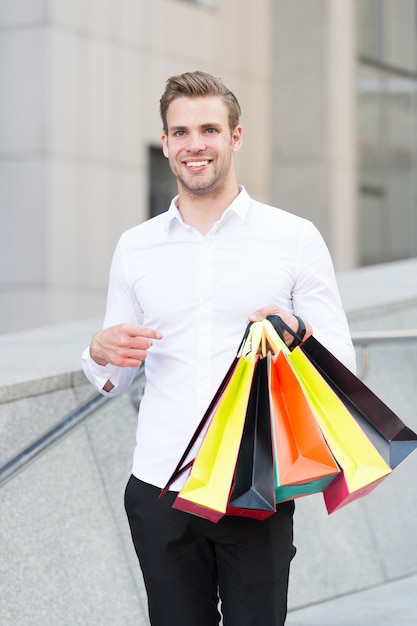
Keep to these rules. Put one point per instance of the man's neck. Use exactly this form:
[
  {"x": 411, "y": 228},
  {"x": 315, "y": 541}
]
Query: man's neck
[{"x": 201, "y": 212}]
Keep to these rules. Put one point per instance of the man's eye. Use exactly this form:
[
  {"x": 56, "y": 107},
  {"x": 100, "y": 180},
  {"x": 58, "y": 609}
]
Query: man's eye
[
  {"x": 179, "y": 133},
  {"x": 211, "y": 131}
]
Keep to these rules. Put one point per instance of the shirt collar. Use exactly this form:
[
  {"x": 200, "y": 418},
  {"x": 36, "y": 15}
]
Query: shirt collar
[{"x": 239, "y": 206}]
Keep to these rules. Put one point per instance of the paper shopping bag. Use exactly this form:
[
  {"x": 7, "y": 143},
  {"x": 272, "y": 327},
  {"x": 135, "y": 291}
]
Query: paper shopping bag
[
  {"x": 304, "y": 462},
  {"x": 210, "y": 481},
  {"x": 392, "y": 438},
  {"x": 253, "y": 492},
  {"x": 187, "y": 459},
  {"x": 362, "y": 466}
]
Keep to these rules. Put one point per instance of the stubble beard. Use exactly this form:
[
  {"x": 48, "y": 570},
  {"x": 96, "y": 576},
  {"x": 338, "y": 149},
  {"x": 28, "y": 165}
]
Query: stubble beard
[
  {"x": 205, "y": 189},
  {"x": 212, "y": 189}
]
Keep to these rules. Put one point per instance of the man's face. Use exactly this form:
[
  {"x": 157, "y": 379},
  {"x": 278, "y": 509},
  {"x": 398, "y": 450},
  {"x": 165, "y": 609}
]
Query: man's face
[{"x": 200, "y": 145}]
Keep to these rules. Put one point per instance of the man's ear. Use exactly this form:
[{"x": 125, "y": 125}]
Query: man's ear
[{"x": 237, "y": 138}]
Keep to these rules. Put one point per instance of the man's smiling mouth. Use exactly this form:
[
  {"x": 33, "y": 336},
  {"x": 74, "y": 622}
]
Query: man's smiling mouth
[{"x": 197, "y": 164}]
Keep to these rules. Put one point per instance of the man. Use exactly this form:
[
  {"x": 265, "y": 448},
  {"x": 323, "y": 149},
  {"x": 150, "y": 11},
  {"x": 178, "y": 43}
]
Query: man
[{"x": 182, "y": 288}]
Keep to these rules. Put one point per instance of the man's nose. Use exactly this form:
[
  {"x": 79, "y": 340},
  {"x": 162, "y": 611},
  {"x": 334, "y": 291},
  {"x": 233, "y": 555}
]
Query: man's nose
[{"x": 196, "y": 142}]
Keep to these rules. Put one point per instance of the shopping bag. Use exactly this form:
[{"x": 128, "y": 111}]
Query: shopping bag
[
  {"x": 187, "y": 459},
  {"x": 253, "y": 491},
  {"x": 304, "y": 462},
  {"x": 363, "y": 468},
  {"x": 392, "y": 438},
  {"x": 210, "y": 481}
]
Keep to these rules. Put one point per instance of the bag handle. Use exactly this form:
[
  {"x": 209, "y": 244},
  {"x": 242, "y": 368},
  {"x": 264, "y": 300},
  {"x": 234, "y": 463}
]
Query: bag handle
[
  {"x": 279, "y": 326},
  {"x": 264, "y": 334}
]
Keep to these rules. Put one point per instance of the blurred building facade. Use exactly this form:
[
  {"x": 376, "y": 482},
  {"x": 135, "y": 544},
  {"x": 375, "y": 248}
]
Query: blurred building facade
[{"x": 329, "y": 98}]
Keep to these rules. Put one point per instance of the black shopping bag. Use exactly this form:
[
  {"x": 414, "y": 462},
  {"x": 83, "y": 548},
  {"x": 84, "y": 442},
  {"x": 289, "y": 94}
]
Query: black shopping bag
[
  {"x": 254, "y": 485},
  {"x": 391, "y": 437}
]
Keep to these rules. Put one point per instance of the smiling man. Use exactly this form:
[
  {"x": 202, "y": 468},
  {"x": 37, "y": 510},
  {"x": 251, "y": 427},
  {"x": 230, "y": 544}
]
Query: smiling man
[{"x": 182, "y": 288}]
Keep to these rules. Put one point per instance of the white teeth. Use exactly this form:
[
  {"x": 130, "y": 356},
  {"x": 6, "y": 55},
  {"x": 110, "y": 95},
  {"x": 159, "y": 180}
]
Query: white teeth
[{"x": 197, "y": 163}]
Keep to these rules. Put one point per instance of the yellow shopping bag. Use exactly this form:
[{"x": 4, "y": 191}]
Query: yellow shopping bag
[
  {"x": 363, "y": 468},
  {"x": 213, "y": 469},
  {"x": 208, "y": 486}
]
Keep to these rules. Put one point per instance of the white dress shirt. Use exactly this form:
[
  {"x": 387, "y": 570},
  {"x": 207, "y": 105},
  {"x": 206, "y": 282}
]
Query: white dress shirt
[{"x": 199, "y": 290}]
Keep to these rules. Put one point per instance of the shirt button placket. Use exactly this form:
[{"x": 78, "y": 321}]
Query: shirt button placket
[{"x": 205, "y": 289}]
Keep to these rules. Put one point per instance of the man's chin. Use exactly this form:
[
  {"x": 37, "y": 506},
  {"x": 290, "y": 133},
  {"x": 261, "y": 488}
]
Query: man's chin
[{"x": 200, "y": 189}]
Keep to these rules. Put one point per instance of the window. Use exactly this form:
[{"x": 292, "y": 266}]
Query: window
[
  {"x": 387, "y": 129},
  {"x": 162, "y": 184}
]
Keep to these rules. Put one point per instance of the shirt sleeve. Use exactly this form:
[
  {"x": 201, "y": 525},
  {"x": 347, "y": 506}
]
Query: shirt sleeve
[
  {"x": 121, "y": 308},
  {"x": 316, "y": 297}
]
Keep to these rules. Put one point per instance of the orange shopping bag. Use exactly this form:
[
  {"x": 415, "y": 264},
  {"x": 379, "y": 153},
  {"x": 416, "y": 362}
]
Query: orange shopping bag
[{"x": 304, "y": 462}]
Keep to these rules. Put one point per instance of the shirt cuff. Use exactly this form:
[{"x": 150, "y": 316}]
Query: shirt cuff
[{"x": 99, "y": 374}]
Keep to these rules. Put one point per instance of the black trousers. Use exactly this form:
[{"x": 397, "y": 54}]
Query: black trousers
[{"x": 188, "y": 563}]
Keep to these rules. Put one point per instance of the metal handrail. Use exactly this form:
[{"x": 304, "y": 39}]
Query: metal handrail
[
  {"x": 18, "y": 462},
  {"x": 367, "y": 337},
  {"x": 379, "y": 336},
  {"x": 15, "y": 465}
]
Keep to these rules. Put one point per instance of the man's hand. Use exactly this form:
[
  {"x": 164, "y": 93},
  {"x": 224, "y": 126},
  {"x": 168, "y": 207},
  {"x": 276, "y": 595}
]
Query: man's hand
[
  {"x": 124, "y": 345},
  {"x": 288, "y": 318}
]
